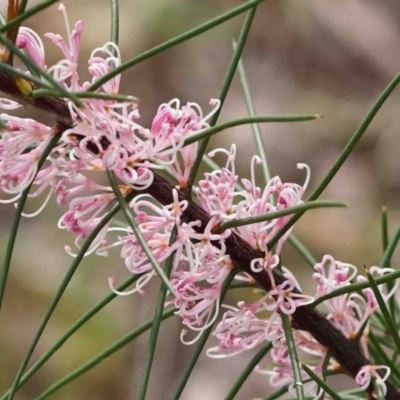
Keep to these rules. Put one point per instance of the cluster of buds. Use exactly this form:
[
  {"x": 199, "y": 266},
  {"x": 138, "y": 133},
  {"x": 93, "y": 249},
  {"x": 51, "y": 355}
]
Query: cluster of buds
[{"x": 105, "y": 134}]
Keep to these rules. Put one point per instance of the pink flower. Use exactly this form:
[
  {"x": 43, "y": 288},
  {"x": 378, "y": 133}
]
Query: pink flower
[
  {"x": 347, "y": 312},
  {"x": 283, "y": 299},
  {"x": 30, "y": 41},
  {"x": 238, "y": 331},
  {"x": 283, "y": 375},
  {"x": 83, "y": 216},
  {"x": 217, "y": 191},
  {"x": 66, "y": 69},
  {"x": 377, "y": 272},
  {"x": 98, "y": 66},
  {"x": 367, "y": 372},
  {"x": 339, "y": 274},
  {"x": 258, "y": 203}
]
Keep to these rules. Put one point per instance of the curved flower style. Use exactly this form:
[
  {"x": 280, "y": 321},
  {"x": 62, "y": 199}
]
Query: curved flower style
[
  {"x": 348, "y": 312},
  {"x": 369, "y": 372}
]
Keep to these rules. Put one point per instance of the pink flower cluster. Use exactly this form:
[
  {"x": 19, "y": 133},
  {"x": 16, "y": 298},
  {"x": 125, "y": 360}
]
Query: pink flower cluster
[
  {"x": 242, "y": 328},
  {"x": 201, "y": 263},
  {"x": 105, "y": 135}
]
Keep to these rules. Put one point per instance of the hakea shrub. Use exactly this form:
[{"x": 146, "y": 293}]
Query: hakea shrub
[{"x": 106, "y": 134}]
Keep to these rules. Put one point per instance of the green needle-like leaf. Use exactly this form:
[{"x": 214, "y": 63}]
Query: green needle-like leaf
[
  {"x": 158, "y": 316},
  {"x": 298, "y": 384},
  {"x": 387, "y": 256},
  {"x": 17, "y": 72},
  {"x": 354, "y": 394},
  {"x": 22, "y": 6},
  {"x": 79, "y": 323},
  {"x": 248, "y": 120},
  {"x": 361, "y": 330},
  {"x": 278, "y": 393},
  {"x": 230, "y": 73},
  {"x": 255, "y": 127},
  {"x": 129, "y": 337},
  {"x": 35, "y": 68},
  {"x": 128, "y": 215},
  {"x": 201, "y": 342},
  {"x": 17, "y": 218},
  {"x": 173, "y": 42},
  {"x": 356, "y": 287},
  {"x": 281, "y": 213},
  {"x": 67, "y": 278},
  {"x": 390, "y": 248},
  {"x": 18, "y": 8},
  {"x": 302, "y": 250},
  {"x": 381, "y": 357},
  {"x": 27, "y": 14},
  {"x": 84, "y": 95},
  {"x": 3, "y": 21},
  {"x": 325, "y": 371},
  {"x": 385, "y": 231},
  {"x": 393, "y": 307},
  {"x": 114, "y": 21},
  {"x": 321, "y": 383},
  {"x": 342, "y": 157},
  {"x": 385, "y": 312},
  {"x": 248, "y": 370},
  {"x": 394, "y": 357}
]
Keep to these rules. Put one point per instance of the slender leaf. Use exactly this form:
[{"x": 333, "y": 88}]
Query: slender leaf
[
  {"x": 79, "y": 323},
  {"x": 248, "y": 370},
  {"x": 34, "y": 68},
  {"x": 17, "y": 218},
  {"x": 114, "y": 21},
  {"x": 84, "y": 95},
  {"x": 281, "y": 213},
  {"x": 278, "y": 393},
  {"x": 384, "y": 229},
  {"x": 22, "y": 6},
  {"x": 325, "y": 371},
  {"x": 224, "y": 91},
  {"x": 248, "y": 120},
  {"x": 201, "y": 342},
  {"x": 390, "y": 248},
  {"x": 255, "y": 127},
  {"x": 2, "y": 20},
  {"x": 385, "y": 312},
  {"x": 158, "y": 316},
  {"x": 361, "y": 331},
  {"x": 321, "y": 383},
  {"x": 393, "y": 307},
  {"x": 342, "y": 157},
  {"x": 356, "y": 287},
  {"x": 129, "y": 337},
  {"x": 67, "y": 278},
  {"x": 173, "y": 42},
  {"x": 138, "y": 233},
  {"x": 302, "y": 250},
  {"x": 381, "y": 357},
  {"x": 298, "y": 384},
  {"x": 16, "y": 22},
  {"x": 17, "y": 72}
]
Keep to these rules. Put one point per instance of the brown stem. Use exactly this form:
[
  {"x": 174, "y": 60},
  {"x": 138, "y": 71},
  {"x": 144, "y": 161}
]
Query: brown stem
[
  {"x": 52, "y": 105},
  {"x": 346, "y": 352}
]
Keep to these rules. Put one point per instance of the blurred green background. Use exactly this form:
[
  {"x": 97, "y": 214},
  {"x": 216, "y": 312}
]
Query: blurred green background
[{"x": 327, "y": 57}]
